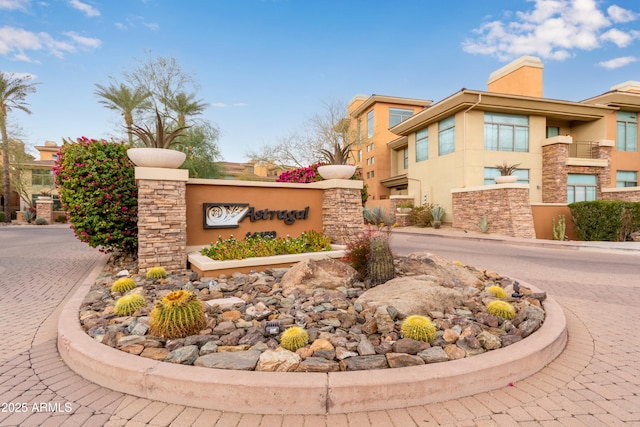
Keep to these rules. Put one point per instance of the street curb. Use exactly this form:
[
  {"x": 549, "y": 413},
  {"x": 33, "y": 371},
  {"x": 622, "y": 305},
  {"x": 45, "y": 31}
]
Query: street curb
[{"x": 304, "y": 393}]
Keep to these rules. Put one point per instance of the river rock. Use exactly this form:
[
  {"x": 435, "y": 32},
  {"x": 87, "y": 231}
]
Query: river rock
[
  {"x": 183, "y": 355},
  {"x": 318, "y": 364},
  {"x": 402, "y": 360},
  {"x": 241, "y": 360},
  {"x": 361, "y": 363},
  {"x": 433, "y": 355}
]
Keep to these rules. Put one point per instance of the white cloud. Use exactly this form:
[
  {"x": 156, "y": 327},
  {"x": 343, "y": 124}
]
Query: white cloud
[
  {"x": 218, "y": 105},
  {"x": 84, "y": 41},
  {"x": 14, "y": 4},
  {"x": 84, "y": 7},
  {"x": 240, "y": 104},
  {"x": 133, "y": 22},
  {"x": 618, "y": 62},
  {"x": 554, "y": 29},
  {"x": 618, "y": 14},
  {"x": 619, "y": 38},
  {"x": 15, "y": 42},
  {"x": 27, "y": 76}
]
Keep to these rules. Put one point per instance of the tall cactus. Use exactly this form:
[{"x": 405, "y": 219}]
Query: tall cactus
[
  {"x": 559, "y": 228},
  {"x": 380, "y": 264}
]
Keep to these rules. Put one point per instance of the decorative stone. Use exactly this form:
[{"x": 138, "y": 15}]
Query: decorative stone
[
  {"x": 184, "y": 355},
  {"x": 409, "y": 346},
  {"x": 132, "y": 348},
  {"x": 450, "y": 336},
  {"x": 433, "y": 355},
  {"x": 510, "y": 339},
  {"x": 321, "y": 344},
  {"x": 318, "y": 274},
  {"x": 343, "y": 353},
  {"x": 155, "y": 353},
  {"x": 278, "y": 360},
  {"x": 225, "y": 303},
  {"x": 318, "y": 364},
  {"x": 402, "y": 360},
  {"x": 489, "y": 341},
  {"x": 361, "y": 363},
  {"x": 243, "y": 360},
  {"x": 365, "y": 348},
  {"x": 232, "y": 348},
  {"x": 383, "y": 320},
  {"x": 210, "y": 347},
  {"x": 454, "y": 352}
]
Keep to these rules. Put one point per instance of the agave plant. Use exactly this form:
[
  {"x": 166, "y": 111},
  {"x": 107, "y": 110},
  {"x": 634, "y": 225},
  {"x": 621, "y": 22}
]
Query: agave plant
[
  {"x": 339, "y": 155},
  {"x": 507, "y": 169},
  {"x": 159, "y": 139}
]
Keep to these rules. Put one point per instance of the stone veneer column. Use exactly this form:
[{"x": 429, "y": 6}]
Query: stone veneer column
[
  {"x": 162, "y": 218},
  {"x": 506, "y": 206},
  {"x": 554, "y": 169},
  {"x": 342, "y": 209},
  {"x": 44, "y": 208}
]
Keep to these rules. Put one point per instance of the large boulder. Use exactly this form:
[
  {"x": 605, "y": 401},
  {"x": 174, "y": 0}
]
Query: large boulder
[
  {"x": 326, "y": 273},
  {"x": 412, "y": 295},
  {"x": 449, "y": 273}
]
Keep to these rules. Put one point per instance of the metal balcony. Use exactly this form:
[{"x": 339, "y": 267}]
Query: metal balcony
[{"x": 584, "y": 149}]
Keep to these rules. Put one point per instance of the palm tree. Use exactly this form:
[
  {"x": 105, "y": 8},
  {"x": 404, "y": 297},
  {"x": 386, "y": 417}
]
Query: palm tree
[
  {"x": 184, "y": 105},
  {"x": 13, "y": 91},
  {"x": 122, "y": 98}
]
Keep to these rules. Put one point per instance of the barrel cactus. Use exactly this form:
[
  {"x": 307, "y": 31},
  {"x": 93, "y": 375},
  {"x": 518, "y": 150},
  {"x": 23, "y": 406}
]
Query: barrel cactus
[
  {"x": 123, "y": 285},
  {"x": 380, "y": 268},
  {"x": 502, "y": 309},
  {"x": 156, "y": 273},
  {"x": 128, "y": 304},
  {"x": 418, "y": 328},
  {"x": 178, "y": 315},
  {"x": 497, "y": 291},
  {"x": 294, "y": 338}
]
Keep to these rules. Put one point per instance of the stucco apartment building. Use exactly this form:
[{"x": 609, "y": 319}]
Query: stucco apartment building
[{"x": 567, "y": 151}]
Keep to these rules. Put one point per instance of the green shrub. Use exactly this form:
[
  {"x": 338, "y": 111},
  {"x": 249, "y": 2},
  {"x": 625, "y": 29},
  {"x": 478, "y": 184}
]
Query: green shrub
[
  {"x": 95, "y": 180},
  {"x": 41, "y": 221},
  {"x": 61, "y": 218},
  {"x": 605, "y": 220},
  {"x": 1, "y": 216},
  {"x": 261, "y": 246},
  {"x": 357, "y": 253},
  {"x": 422, "y": 216}
]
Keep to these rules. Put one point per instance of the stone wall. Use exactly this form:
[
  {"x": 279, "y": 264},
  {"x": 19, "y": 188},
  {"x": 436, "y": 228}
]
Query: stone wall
[
  {"x": 554, "y": 172},
  {"x": 162, "y": 231},
  {"x": 629, "y": 194},
  {"x": 507, "y": 207},
  {"x": 44, "y": 208},
  {"x": 342, "y": 214}
]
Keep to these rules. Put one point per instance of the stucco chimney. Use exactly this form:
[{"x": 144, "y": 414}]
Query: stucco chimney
[
  {"x": 629, "y": 86},
  {"x": 520, "y": 77}
]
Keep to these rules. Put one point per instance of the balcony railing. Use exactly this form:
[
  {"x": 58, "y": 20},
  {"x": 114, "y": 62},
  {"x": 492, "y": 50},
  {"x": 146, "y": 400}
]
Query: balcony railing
[{"x": 584, "y": 149}]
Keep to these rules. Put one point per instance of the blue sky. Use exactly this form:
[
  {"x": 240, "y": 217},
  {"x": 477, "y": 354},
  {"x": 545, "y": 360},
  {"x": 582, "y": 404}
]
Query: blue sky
[{"x": 266, "y": 66}]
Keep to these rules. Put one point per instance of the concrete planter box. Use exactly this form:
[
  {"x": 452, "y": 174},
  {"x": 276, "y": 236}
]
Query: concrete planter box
[{"x": 208, "y": 267}]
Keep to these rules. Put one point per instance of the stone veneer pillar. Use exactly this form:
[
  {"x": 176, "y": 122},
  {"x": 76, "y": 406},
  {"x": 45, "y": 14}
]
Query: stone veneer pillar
[
  {"x": 506, "y": 206},
  {"x": 162, "y": 218},
  {"x": 44, "y": 208},
  {"x": 554, "y": 169},
  {"x": 342, "y": 209}
]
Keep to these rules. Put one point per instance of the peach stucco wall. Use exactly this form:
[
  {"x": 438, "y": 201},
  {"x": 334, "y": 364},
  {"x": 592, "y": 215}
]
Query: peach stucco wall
[
  {"x": 542, "y": 215},
  {"x": 260, "y": 197}
]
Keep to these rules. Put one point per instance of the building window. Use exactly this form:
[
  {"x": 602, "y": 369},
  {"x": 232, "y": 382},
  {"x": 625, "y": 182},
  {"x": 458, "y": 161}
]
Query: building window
[
  {"x": 626, "y": 179},
  {"x": 552, "y": 131},
  {"x": 627, "y": 131},
  {"x": 506, "y": 132},
  {"x": 422, "y": 145},
  {"x": 368, "y": 175},
  {"x": 359, "y": 155},
  {"x": 54, "y": 157},
  {"x": 490, "y": 173},
  {"x": 359, "y": 130},
  {"x": 373, "y": 160},
  {"x": 41, "y": 178},
  {"x": 446, "y": 136},
  {"x": 581, "y": 188},
  {"x": 373, "y": 173},
  {"x": 405, "y": 154},
  {"x": 398, "y": 115},
  {"x": 370, "y": 124}
]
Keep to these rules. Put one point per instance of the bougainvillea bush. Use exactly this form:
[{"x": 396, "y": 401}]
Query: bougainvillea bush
[
  {"x": 301, "y": 175},
  {"x": 96, "y": 183}
]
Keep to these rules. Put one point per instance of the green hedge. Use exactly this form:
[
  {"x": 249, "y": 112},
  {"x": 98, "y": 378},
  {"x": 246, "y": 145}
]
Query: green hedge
[{"x": 605, "y": 220}]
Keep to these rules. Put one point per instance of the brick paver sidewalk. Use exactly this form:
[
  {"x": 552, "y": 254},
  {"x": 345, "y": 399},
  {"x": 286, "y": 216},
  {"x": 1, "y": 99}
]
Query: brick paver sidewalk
[{"x": 595, "y": 381}]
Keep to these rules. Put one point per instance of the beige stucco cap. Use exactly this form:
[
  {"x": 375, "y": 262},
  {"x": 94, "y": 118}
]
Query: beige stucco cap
[{"x": 528, "y": 61}]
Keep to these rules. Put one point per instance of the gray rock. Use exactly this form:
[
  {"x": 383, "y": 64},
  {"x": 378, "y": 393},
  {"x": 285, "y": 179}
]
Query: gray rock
[
  {"x": 365, "y": 348},
  {"x": 446, "y": 271},
  {"x": 326, "y": 273},
  {"x": 510, "y": 339},
  {"x": 130, "y": 339},
  {"x": 318, "y": 364},
  {"x": 184, "y": 355},
  {"x": 433, "y": 355},
  {"x": 362, "y": 363},
  {"x": 409, "y": 346},
  {"x": 210, "y": 347},
  {"x": 240, "y": 360},
  {"x": 401, "y": 360}
]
